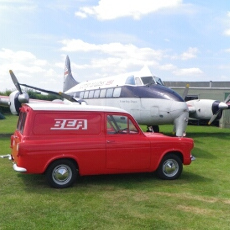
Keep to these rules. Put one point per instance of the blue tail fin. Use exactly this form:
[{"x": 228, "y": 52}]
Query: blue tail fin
[{"x": 69, "y": 81}]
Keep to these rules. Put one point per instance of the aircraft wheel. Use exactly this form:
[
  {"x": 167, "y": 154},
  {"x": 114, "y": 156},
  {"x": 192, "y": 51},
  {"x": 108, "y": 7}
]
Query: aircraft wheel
[
  {"x": 170, "y": 167},
  {"x": 61, "y": 173},
  {"x": 153, "y": 128},
  {"x": 156, "y": 128}
]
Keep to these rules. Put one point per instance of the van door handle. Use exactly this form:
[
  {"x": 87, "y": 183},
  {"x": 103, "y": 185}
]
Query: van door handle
[{"x": 108, "y": 141}]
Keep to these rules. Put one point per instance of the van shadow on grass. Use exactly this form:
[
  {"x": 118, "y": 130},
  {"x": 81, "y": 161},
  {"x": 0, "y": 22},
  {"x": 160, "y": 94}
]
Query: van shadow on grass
[
  {"x": 199, "y": 153},
  {"x": 37, "y": 183}
]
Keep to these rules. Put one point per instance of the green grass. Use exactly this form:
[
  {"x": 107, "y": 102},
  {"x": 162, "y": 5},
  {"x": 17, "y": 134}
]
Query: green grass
[
  {"x": 7, "y": 125},
  {"x": 199, "y": 199}
]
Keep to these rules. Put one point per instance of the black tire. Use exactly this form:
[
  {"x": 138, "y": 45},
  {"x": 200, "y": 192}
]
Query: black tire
[
  {"x": 156, "y": 128},
  {"x": 170, "y": 167},
  {"x": 61, "y": 173}
]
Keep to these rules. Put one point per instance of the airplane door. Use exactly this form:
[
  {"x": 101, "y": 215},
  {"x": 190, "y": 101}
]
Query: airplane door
[{"x": 126, "y": 149}]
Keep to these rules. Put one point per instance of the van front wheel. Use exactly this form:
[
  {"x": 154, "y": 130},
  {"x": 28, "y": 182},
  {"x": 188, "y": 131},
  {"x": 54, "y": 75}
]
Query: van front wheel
[
  {"x": 170, "y": 167},
  {"x": 61, "y": 173}
]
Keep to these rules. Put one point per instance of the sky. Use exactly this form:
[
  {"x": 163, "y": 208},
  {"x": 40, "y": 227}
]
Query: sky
[{"x": 179, "y": 40}]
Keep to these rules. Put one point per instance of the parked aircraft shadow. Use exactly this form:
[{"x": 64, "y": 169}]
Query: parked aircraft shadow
[{"x": 219, "y": 135}]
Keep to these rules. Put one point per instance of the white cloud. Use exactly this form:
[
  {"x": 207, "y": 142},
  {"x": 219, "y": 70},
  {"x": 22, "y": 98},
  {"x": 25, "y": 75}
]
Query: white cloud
[
  {"x": 28, "y": 69},
  {"x": 227, "y": 21},
  {"x": 227, "y": 32},
  {"x": 189, "y": 54},
  {"x": 188, "y": 72},
  {"x": 115, "y": 49},
  {"x": 227, "y": 50},
  {"x": 111, "y": 9},
  {"x": 18, "y": 5}
]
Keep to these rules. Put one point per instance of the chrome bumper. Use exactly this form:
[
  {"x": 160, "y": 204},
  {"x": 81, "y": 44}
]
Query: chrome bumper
[
  {"x": 192, "y": 158},
  {"x": 18, "y": 169},
  {"x": 7, "y": 156},
  {"x": 15, "y": 167}
]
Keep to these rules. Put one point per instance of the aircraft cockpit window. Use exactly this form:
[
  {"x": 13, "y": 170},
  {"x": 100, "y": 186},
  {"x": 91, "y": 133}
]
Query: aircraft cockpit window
[
  {"x": 117, "y": 92},
  {"x": 138, "y": 81},
  {"x": 158, "y": 81},
  {"x": 109, "y": 92},
  {"x": 148, "y": 80},
  {"x": 97, "y": 93},
  {"x": 130, "y": 80}
]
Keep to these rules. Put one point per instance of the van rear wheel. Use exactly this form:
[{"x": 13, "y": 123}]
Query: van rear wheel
[{"x": 61, "y": 173}]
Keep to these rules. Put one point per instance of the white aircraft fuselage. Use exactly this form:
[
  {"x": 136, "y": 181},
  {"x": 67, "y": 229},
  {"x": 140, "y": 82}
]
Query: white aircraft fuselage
[{"x": 148, "y": 102}]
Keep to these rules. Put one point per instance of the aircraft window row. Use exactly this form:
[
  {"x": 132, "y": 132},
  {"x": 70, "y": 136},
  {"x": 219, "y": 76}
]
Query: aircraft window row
[{"x": 101, "y": 93}]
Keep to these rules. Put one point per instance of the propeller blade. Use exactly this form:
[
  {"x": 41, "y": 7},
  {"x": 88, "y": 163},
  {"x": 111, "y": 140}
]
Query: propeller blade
[
  {"x": 68, "y": 97},
  {"x": 185, "y": 91},
  {"x": 227, "y": 99},
  {"x": 214, "y": 117},
  {"x": 39, "y": 89},
  {"x": 15, "y": 81}
]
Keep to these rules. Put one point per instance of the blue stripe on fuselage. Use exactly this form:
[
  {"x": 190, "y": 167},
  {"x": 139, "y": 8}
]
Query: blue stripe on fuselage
[{"x": 151, "y": 91}]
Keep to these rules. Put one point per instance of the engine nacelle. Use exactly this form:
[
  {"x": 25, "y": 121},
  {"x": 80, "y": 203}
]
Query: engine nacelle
[
  {"x": 203, "y": 108},
  {"x": 16, "y": 100}
]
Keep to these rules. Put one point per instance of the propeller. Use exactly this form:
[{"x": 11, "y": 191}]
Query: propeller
[
  {"x": 22, "y": 97},
  {"x": 222, "y": 106},
  {"x": 185, "y": 93},
  {"x": 15, "y": 81},
  {"x": 68, "y": 97},
  {"x": 22, "y": 100}
]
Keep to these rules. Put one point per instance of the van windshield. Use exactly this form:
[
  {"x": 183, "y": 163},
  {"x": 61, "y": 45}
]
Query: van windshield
[{"x": 21, "y": 122}]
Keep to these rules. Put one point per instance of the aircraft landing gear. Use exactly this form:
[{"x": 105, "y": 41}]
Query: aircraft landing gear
[{"x": 153, "y": 128}]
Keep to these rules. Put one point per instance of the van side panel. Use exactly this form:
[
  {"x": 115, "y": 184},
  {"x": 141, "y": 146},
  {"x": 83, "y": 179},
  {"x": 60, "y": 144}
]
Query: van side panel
[
  {"x": 63, "y": 123},
  {"x": 63, "y": 134}
]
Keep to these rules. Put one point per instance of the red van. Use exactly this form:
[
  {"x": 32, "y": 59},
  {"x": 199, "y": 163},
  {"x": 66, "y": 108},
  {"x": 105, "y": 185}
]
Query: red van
[{"x": 64, "y": 141}]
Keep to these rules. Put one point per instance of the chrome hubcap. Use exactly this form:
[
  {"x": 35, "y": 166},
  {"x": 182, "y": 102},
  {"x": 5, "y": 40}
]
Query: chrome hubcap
[
  {"x": 62, "y": 174},
  {"x": 170, "y": 168}
]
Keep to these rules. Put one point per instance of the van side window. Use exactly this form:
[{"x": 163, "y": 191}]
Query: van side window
[
  {"x": 117, "y": 124},
  {"x": 21, "y": 122}
]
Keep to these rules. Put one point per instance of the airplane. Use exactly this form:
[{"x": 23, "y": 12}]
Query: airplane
[{"x": 140, "y": 93}]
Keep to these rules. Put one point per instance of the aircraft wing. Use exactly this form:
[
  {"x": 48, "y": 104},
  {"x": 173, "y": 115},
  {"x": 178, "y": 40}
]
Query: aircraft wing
[{"x": 4, "y": 101}]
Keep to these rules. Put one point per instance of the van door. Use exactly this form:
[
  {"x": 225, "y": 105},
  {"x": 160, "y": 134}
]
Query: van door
[{"x": 127, "y": 149}]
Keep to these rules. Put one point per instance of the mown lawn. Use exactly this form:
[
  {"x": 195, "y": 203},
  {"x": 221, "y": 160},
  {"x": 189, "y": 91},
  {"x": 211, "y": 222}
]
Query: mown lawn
[{"x": 199, "y": 199}]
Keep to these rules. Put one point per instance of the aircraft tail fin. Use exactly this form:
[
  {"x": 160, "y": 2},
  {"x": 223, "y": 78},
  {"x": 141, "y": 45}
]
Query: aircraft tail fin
[{"x": 69, "y": 81}]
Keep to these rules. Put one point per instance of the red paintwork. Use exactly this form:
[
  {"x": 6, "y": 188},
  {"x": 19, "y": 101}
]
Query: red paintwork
[{"x": 94, "y": 151}]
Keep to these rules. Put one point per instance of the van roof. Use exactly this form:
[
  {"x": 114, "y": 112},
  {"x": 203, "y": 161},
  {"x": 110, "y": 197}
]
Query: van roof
[{"x": 72, "y": 107}]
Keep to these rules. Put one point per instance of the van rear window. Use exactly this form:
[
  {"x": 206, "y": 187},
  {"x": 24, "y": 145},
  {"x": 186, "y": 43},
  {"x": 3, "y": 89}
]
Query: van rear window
[{"x": 21, "y": 122}]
